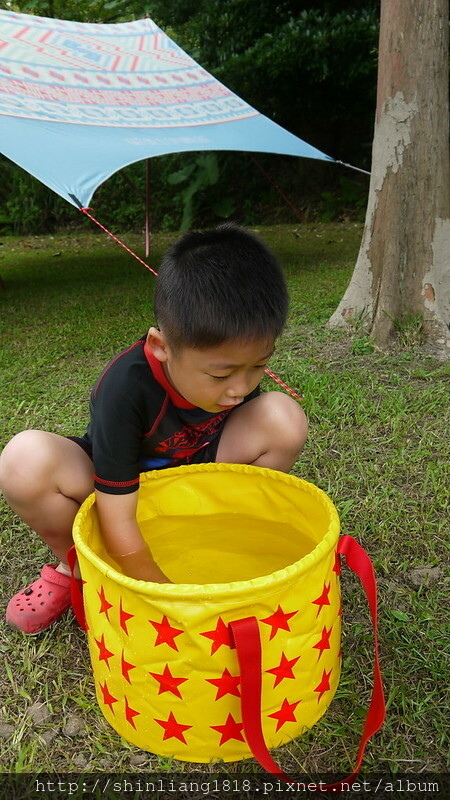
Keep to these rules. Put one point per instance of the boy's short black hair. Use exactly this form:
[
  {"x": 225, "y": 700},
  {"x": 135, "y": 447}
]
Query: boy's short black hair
[{"x": 219, "y": 285}]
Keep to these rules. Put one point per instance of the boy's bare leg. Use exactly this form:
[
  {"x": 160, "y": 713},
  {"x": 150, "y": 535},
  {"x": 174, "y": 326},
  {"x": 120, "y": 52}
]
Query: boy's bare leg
[
  {"x": 45, "y": 478},
  {"x": 269, "y": 431}
]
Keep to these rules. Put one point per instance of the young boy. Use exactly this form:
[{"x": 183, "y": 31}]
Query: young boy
[{"x": 186, "y": 392}]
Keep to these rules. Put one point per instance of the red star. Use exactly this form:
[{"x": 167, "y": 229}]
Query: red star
[
  {"x": 126, "y": 667},
  {"x": 220, "y": 635},
  {"x": 130, "y": 713},
  {"x": 167, "y": 682},
  {"x": 227, "y": 684},
  {"x": 173, "y": 729},
  {"x": 166, "y": 634},
  {"x": 231, "y": 730},
  {"x": 124, "y": 617},
  {"x": 324, "y": 685},
  {"x": 279, "y": 620},
  {"x": 108, "y": 699},
  {"x": 285, "y": 713},
  {"x": 104, "y": 604},
  {"x": 324, "y": 642},
  {"x": 284, "y": 669},
  {"x": 323, "y": 600},
  {"x": 104, "y": 653},
  {"x": 337, "y": 563}
]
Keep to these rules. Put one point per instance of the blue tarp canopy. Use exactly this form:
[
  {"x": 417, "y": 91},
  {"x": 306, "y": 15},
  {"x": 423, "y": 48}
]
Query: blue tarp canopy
[{"x": 79, "y": 101}]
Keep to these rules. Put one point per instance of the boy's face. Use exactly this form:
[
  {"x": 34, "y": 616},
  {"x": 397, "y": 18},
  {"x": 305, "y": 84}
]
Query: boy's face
[{"x": 215, "y": 378}]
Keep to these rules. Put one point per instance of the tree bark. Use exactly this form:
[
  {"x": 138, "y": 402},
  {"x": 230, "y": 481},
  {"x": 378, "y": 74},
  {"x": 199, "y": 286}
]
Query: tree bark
[{"x": 403, "y": 267}]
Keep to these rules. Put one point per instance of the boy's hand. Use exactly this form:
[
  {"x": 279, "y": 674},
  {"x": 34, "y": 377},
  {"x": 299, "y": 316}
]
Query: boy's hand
[
  {"x": 140, "y": 565},
  {"x": 123, "y": 539}
]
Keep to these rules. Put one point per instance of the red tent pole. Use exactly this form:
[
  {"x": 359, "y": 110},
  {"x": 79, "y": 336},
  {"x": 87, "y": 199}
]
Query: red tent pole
[{"x": 147, "y": 208}]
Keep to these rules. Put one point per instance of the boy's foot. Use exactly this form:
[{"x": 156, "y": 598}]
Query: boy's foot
[{"x": 39, "y": 605}]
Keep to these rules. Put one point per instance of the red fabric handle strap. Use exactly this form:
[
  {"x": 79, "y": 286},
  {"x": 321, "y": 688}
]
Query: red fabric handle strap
[
  {"x": 245, "y": 633},
  {"x": 76, "y": 592}
]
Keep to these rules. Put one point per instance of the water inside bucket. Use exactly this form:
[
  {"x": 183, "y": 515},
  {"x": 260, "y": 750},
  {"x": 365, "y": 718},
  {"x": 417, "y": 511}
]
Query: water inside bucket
[{"x": 222, "y": 548}]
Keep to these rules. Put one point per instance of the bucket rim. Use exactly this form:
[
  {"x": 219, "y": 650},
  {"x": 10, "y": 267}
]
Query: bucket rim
[{"x": 214, "y": 592}]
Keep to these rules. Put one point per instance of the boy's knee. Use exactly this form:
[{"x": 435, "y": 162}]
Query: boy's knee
[
  {"x": 24, "y": 462},
  {"x": 286, "y": 421}
]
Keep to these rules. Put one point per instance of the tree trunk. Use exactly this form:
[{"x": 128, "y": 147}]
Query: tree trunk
[{"x": 403, "y": 267}]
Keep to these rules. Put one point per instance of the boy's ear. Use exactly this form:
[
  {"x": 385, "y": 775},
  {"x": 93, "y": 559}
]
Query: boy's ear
[{"x": 157, "y": 344}]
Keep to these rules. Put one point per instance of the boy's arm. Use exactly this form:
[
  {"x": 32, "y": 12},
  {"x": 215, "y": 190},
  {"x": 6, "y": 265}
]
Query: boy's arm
[{"x": 123, "y": 539}]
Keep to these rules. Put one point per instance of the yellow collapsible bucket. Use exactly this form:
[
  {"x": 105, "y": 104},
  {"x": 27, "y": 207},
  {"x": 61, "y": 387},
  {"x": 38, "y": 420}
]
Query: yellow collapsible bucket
[{"x": 242, "y": 651}]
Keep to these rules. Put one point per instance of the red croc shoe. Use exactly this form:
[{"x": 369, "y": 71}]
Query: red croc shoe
[{"x": 39, "y": 605}]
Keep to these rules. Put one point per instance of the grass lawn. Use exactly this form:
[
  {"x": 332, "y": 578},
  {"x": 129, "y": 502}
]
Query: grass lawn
[{"x": 378, "y": 446}]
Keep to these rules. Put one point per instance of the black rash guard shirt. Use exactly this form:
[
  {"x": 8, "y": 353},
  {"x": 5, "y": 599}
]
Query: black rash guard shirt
[{"x": 139, "y": 422}]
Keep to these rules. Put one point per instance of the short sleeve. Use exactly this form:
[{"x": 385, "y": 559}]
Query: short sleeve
[{"x": 116, "y": 431}]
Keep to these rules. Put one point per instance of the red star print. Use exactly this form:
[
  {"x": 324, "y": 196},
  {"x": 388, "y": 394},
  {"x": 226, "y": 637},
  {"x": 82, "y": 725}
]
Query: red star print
[
  {"x": 324, "y": 685},
  {"x": 285, "y": 713},
  {"x": 227, "y": 684},
  {"x": 231, "y": 730},
  {"x": 279, "y": 620},
  {"x": 173, "y": 729},
  {"x": 324, "y": 642},
  {"x": 166, "y": 634},
  {"x": 104, "y": 604},
  {"x": 124, "y": 617},
  {"x": 284, "y": 669},
  {"x": 126, "y": 667},
  {"x": 108, "y": 699},
  {"x": 220, "y": 635},
  {"x": 167, "y": 682},
  {"x": 323, "y": 600},
  {"x": 337, "y": 563},
  {"x": 104, "y": 653},
  {"x": 130, "y": 713}
]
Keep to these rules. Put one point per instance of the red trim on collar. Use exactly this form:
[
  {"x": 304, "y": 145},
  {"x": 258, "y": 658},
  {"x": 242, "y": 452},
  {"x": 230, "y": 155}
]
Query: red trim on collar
[{"x": 159, "y": 375}]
